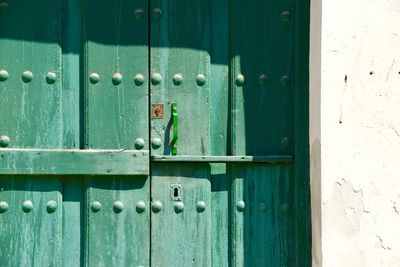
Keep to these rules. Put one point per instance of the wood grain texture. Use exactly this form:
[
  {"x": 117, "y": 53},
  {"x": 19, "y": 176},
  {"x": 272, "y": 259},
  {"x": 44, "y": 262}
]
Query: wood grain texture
[
  {"x": 116, "y": 42},
  {"x": 117, "y": 238},
  {"x": 74, "y": 162},
  {"x": 180, "y": 44},
  {"x": 181, "y": 239},
  {"x": 31, "y": 111},
  {"x": 31, "y": 238}
]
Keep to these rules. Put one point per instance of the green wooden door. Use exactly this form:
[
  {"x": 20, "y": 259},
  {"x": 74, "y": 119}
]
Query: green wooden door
[{"x": 154, "y": 133}]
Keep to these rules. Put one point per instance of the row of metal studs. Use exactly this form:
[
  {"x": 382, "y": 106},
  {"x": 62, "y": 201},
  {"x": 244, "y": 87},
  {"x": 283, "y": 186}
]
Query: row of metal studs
[{"x": 27, "y": 206}]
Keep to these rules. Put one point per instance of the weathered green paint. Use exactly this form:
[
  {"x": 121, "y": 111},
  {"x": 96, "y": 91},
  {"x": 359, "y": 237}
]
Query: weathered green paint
[
  {"x": 179, "y": 44},
  {"x": 30, "y": 233},
  {"x": 73, "y": 162},
  {"x": 81, "y": 133},
  {"x": 181, "y": 237},
  {"x": 116, "y": 48},
  {"x": 118, "y": 234}
]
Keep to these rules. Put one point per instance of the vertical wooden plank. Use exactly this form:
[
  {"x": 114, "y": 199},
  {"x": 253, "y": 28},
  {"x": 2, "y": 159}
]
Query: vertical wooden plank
[
  {"x": 180, "y": 69},
  {"x": 181, "y": 226},
  {"x": 31, "y": 221},
  {"x": 220, "y": 207},
  {"x": 118, "y": 224},
  {"x": 116, "y": 73},
  {"x": 261, "y": 72},
  {"x": 219, "y": 82},
  {"x": 31, "y": 78},
  {"x": 72, "y": 75},
  {"x": 262, "y": 228},
  {"x": 73, "y": 220},
  {"x": 301, "y": 193}
]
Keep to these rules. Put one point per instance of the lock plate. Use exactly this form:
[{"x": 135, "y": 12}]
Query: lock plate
[
  {"x": 157, "y": 111},
  {"x": 175, "y": 191}
]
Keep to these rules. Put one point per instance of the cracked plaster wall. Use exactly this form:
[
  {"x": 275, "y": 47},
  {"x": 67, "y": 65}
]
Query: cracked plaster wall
[{"x": 355, "y": 132}]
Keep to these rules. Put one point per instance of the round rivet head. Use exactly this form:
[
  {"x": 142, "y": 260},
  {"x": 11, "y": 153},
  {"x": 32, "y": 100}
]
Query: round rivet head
[
  {"x": 3, "y": 8},
  {"x": 285, "y": 208},
  {"x": 94, "y": 78},
  {"x": 240, "y": 205},
  {"x": 139, "y": 13},
  {"x": 156, "y": 143},
  {"x": 139, "y": 79},
  {"x": 140, "y": 206},
  {"x": 285, "y": 80},
  {"x": 51, "y": 206},
  {"x": 27, "y": 76},
  {"x": 4, "y": 141},
  {"x": 116, "y": 78},
  {"x": 139, "y": 143},
  {"x": 118, "y": 206},
  {"x": 285, "y": 16},
  {"x": 262, "y": 207},
  {"x": 157, "y": 13},
  {"x": 285, "y": 142},
  {"x": 200, "y": 79},
  {"x": 200, "y": 206},
  {"x": 155, "y": 78},
  {"x": 51, "y": 77},
  {"x": 179, "y": 206},
  {"x": 3, "y": 75},
  {"x": 3, "y": 206},
  {"x": 27, "y": 206},
  {"x": 262, "y": 79},
  {"x": 156, "y": 206},
  {"x": 96, "y": 206},
  {"x": 178, "y": 79},
  {"x": 240, "y": 80}
]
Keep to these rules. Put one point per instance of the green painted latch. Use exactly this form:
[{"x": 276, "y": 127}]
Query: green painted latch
[{"x": 174, "y": 144}]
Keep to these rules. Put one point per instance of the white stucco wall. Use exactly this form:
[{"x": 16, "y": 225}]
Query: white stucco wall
[{"x": 355, "y": 143}]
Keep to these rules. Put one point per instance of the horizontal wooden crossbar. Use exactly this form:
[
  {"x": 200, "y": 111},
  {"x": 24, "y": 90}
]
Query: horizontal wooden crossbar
[
  {"x": 74, "y": 162},
  {"x": 225, "y": 159}
]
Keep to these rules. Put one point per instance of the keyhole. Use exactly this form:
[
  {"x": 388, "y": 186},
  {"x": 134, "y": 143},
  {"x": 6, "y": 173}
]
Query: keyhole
[{"x": 176, "y": 192}]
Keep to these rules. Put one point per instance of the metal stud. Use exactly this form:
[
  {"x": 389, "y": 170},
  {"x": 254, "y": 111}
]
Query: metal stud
[
  {"x": 139, "y": 13},
  {"x": 139, "y": 79},
  {"x": 27, "y": 206},
  {"x": 3, "y": 206},
  {"x": 285, "y": 16},
  {"x": 179, "y": 206},
  {"x": 157, "y": 13},
  {"x": 4, "y": 141},
  {"x": 285, "y": 208},
  {"x": 156, "y": 206},
  {"x": 155, "y": 78},
  {"x": 262, "y": 207},
  {"x": 285, "y": 80},
  {"x": 178, "y": 79},
  {"x": 116, "y": 78},
  {"x": 51, "y": 206},
  {"x": 262, "y": 79},
  {"x": 3, "y": 75},
  {"x": 3, "y": 8},
  {"x": 240, "y": 205},
  {"x": 51, "y": 77},
  {"x": 200, "y": 79},
  {"x": 94, "y": 78},
  {"x": 27, "y": 76},
  {"x": 140, "y": 206},
  {"x": 139, "y": 143},
  {"x": 96, "y": 206},
  {"x": 285, "y": 142},
  {"x": 240, "y": 80},
  {"x": 200, "y": 206},
  {"x": 156, "y": 143},
  {"x": 118, "y": 206}
]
